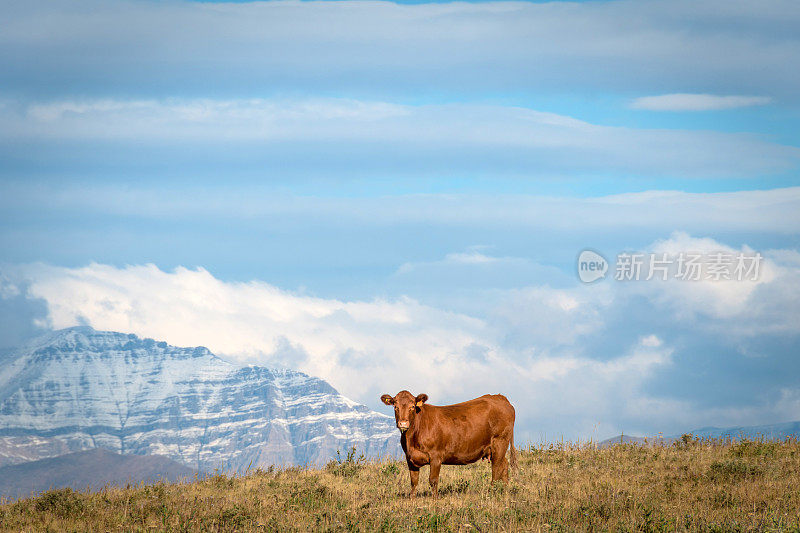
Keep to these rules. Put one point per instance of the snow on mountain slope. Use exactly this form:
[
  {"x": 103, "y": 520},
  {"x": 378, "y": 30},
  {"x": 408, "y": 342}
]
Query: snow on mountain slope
[{"x": 77, "y": 389}]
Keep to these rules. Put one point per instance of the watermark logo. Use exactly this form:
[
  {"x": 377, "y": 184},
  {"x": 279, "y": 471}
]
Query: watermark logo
[
  {"x": 662, "y": 266},
  {"x": 591, "y": 266},
  {"x": 688, "y": 266}
]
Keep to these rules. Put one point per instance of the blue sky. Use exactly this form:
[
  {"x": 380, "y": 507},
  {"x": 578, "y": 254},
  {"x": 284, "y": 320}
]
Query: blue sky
[{"x": 393, "y": 195}]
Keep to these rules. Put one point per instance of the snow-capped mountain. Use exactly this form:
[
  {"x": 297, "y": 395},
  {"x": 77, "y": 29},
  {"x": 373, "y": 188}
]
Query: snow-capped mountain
[{"x": 77, "y": 389}]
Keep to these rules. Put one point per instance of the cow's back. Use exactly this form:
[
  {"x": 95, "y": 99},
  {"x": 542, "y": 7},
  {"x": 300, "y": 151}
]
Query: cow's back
[{"x": 461, "y": 433}]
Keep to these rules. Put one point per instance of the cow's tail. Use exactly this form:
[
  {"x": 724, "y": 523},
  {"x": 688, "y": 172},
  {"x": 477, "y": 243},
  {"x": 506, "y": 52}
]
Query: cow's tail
[{"x": 513, "y": 450}]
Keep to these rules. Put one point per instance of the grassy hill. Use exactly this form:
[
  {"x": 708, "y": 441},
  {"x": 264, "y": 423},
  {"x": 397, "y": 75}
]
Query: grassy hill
[
  {"x": 89, "y": 468},
  {"x": 691, "y": 485}
]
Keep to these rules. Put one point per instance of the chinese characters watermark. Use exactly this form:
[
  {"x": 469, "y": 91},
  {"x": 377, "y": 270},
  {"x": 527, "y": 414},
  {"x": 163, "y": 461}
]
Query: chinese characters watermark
[{"x": 684, "y": 266}]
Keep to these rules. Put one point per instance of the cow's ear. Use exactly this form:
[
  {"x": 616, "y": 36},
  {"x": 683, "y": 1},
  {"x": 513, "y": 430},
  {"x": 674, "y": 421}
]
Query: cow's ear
[
  {"x": 388, "y": 400},
  {"x": 421, "y": 398}
]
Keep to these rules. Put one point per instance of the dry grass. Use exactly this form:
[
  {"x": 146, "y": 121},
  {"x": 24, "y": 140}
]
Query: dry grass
[{"x": 709, "y": 486}]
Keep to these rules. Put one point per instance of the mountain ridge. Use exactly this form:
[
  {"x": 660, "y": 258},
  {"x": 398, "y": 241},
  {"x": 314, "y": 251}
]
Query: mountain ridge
[
  {"x": 777, "y": 431},
  {"x": 77, "y": 389}
]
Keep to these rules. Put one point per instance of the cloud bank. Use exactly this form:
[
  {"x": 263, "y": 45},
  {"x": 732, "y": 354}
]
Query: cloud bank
[
  {"x": 696, "y": 102},
  {"x": 772, "y": 211},
  {"x": 605, "y": 356},
  {"x": 344, "y": 137},
  {"x": 361, "y": 47}
]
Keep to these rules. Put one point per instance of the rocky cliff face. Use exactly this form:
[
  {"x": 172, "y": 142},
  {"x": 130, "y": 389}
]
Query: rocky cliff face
[{"x": 77, "y": 389}]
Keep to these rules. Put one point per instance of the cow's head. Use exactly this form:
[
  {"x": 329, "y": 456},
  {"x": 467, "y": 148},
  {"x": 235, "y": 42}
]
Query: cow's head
[{"x": 406, "y": 407}]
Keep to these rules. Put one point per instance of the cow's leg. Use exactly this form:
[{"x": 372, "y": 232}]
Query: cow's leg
[
  {"x": 413, "y": 472},
  {"x": 499, "y": 461},
  {"x": 436, "y": 464}
]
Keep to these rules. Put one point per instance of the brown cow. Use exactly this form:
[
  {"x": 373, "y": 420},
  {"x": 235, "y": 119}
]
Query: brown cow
[{"x": 457, "y": 434}]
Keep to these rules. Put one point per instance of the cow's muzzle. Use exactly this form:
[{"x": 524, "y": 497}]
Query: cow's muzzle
[{"x": 403, "y": 427}]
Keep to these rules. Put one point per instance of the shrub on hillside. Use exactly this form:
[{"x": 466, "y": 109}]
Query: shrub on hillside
[{"x": 348, "y": 466}]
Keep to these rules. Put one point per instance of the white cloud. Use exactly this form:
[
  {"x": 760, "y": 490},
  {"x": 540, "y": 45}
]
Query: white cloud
[
  {"x": 388, "y": 136},
  {"x": 773, "y": 211},
  {"x": 193, "y": 118},
  {"x": 473, "y": 256},
  {"x": 743, "y": 307},
  {"x": 651, "y": 341},
  {"x": 540, "y": 320},
  {"x": 789, "y": 404},
  {"x": 696, "y": 102}
]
